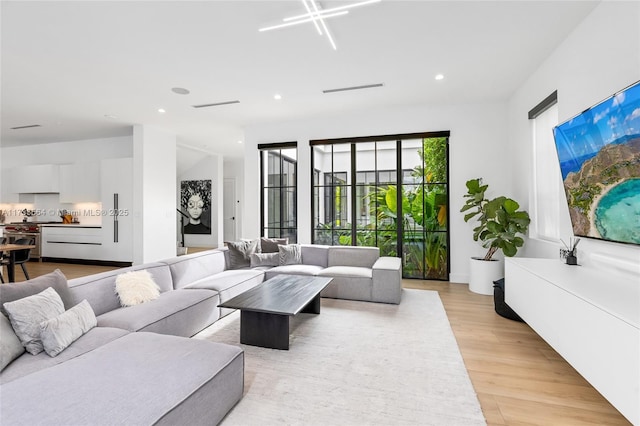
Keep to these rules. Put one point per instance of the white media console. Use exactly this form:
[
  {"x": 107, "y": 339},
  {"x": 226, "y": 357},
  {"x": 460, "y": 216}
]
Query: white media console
[{"x": 589, "y": 316}]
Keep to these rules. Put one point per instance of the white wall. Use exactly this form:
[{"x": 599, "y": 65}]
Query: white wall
[
  {"x": 209, "y": 168},
  {"x": 478, "y": 144},
  {"x": 67, "y": 152},
  {"x": 600, "y": 57},
  {"x": 154, "y": 194}
]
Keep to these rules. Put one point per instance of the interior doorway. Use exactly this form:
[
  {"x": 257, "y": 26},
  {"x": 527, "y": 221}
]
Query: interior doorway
[{"x": 229, "y": 209}]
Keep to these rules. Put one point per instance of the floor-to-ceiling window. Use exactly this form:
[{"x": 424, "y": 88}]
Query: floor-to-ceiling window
[
  {"x": 278, "y": 201},
  {"x": 390, "y": 192}
]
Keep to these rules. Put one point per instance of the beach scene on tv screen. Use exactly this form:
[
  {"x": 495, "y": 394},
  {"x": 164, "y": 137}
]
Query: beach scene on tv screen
[{"x": 599, "y": 153}]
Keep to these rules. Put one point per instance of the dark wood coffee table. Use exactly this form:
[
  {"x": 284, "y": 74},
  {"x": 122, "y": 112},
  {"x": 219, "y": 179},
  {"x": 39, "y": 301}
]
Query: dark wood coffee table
[{"x": 266, "y": 308}]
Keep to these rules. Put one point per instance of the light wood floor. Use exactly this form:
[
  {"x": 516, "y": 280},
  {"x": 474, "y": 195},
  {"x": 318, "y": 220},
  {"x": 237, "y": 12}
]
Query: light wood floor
[{"x": 519, "y": 379}]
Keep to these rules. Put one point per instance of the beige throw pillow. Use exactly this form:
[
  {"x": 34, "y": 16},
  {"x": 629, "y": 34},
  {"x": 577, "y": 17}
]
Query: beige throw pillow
[
  {"x": 291, "y": 254},
  {"x": 136, "y": 287}
]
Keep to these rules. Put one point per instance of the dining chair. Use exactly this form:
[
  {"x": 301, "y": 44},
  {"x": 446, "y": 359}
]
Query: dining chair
[
  {"x": 21, "y": 256},
  {"x": 3, "y": 241}
]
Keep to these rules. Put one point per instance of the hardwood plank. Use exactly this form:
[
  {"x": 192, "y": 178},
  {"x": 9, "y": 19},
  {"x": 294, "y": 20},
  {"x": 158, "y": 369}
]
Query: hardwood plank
[{"x": 519, "y": 378}]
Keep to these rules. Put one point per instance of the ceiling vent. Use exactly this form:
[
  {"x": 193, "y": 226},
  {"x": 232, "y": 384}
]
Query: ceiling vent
[
  {"x": 25, "y": 127},
  {"x": 216, "y": 104},
  {"x": 344, "y": 89}
]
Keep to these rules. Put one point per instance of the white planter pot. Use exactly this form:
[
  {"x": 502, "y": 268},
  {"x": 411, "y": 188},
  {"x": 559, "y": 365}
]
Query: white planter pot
[{"x": 482, "y": 274}]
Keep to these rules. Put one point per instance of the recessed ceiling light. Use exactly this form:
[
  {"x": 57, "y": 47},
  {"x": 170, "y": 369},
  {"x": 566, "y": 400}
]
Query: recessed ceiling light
[
  {"x": 161, "y": 110},
  {"x": 277, "y": 97},
  {"x": 110, "y": 116},
  {"x": 239, "y": 141},
  {"x": 344, "y": 89},
  {"x": 180, "y": 91},
  {"x": 439, "y": 76}
]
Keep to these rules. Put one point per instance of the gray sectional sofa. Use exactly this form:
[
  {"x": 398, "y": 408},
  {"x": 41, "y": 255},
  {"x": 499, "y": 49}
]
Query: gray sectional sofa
[
  {"x": 359, "y": 273},
  {"x": 137, "y": 367}
]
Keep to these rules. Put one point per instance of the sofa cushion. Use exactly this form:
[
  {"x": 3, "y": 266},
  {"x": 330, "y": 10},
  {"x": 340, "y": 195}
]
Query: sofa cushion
[
  {"x": 349, "y": 287},
  {"x": 10, "y": 346},
  {"x": 227, "y": 279},
  {"x": 346, "y": 271},
  {"x": 270, "y": 245},
  {"x": 178, "y": 312},
  {"x": 99, "y": 289},
  {"x": 353, "y": 256},
  {"x": 56, "y": 280},
  {"x": 265, "y": 259},
  {"x": 136, "y": 287},
  {"x": 315, "y": 254},
  {"x": 58, "y": 333},
  {"x": 28, "y": 313},
  {"x": 240, "y": 252},
  {"x": 290, "y": 254},
  {"x": 27, "y": 364},
  {"x": 300, "y": 269},
  {"x": 137, "y": 379},
  {"x": 229, "y": 284},
  {"x": 192, "y": 267}
]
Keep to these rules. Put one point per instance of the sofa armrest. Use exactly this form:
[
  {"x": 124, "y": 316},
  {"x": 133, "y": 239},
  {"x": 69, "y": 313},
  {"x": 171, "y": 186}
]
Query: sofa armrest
[{"x": 387, "y": 280}]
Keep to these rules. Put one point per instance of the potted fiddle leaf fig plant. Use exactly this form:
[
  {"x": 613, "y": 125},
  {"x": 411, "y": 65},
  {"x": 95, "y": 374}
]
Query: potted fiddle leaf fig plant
[{"x": 500, "y": 225}]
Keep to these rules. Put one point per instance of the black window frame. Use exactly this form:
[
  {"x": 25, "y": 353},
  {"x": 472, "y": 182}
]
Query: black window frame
[{"x": 290, "y": 228}]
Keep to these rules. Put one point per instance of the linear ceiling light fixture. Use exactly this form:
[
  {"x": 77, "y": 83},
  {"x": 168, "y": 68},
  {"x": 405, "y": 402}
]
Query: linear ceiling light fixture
[
  {"x": 318, "y": 15},
  {"x": 216, "y": 104},
  {"x": 344, "y": 89},
  {"x": 25, "y": 127}
]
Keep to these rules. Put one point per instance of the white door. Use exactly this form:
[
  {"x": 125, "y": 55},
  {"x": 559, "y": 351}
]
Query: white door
[{"x": 229, "y": 209}]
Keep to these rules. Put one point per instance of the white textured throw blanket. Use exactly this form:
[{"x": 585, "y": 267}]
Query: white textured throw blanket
[{"x": 357, "y": 363}]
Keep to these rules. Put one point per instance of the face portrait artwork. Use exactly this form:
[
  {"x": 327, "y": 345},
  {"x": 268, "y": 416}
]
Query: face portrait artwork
[{"x": 195, "y": 200}]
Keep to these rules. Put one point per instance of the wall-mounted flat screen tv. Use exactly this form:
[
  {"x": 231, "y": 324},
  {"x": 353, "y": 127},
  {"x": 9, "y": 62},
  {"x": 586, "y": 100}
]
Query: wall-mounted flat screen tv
[{"x": 599, "y": 153}]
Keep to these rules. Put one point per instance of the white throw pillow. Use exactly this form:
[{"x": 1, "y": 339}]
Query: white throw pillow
[
  {"x": 136, "y": 287},
  {"x": 59, "y": 332},
  {"x": 28, "y": 313}
]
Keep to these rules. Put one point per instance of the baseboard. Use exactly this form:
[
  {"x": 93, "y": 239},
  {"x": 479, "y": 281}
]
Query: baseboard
[{"x": 87, "y": 262}]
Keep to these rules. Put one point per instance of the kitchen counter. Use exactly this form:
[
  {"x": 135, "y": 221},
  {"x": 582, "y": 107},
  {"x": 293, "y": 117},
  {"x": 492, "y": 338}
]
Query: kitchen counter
[{"x": 73, "y": 225}]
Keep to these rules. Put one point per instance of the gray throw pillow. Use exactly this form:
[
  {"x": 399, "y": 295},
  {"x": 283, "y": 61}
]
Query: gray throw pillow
[
  {"x": 265, "y": 259},
  {"x": 28, "y": 313},
  {"x": 240, "y": 253},
  {"x": 10, "y": 346},
  {"x": 61, "y": 331},
  {"x": 270, "y": 245},
  {"x": 56, "y": 280},
  {"x": 290, "y": 254}
]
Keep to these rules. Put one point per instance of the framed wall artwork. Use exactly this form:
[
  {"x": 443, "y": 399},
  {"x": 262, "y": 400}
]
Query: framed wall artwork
[{"x": 195, "y": 201}]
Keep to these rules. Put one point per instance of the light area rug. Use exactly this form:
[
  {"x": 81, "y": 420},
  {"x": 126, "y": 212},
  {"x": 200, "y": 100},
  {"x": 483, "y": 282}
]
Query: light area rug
[{"x": 357, "y": 363}]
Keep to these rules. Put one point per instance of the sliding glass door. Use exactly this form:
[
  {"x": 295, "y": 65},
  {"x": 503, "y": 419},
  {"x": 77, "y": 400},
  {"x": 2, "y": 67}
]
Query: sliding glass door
[{"x": 386, "y": 192}]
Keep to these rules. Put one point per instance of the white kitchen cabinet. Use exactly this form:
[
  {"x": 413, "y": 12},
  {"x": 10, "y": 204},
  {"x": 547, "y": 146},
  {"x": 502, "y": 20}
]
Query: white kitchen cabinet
[
  {"x": 41, "y": 178},
  {"x": 6, "y": 189},
  {"x": 71, "y": 242},
  {"x": 116, "y": 182},
  {"x": 589, "y": 316},
  {"x": 80, "y": 183}
]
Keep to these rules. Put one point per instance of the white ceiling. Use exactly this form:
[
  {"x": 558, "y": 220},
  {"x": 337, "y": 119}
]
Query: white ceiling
[{"x": 65, "y": 65}]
